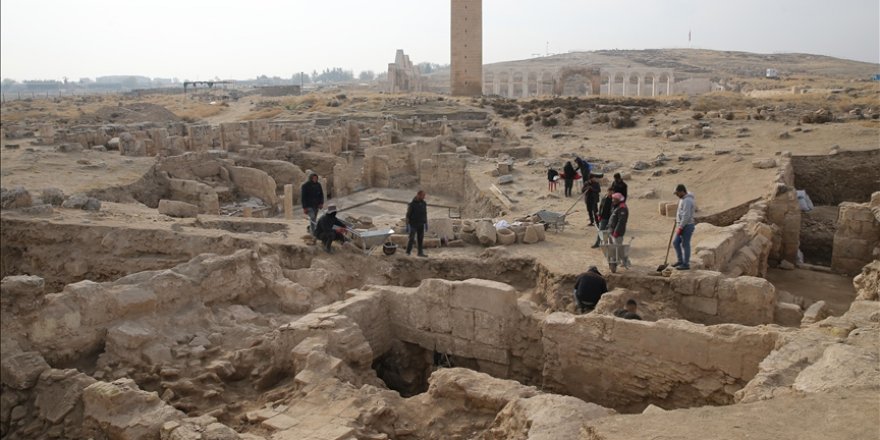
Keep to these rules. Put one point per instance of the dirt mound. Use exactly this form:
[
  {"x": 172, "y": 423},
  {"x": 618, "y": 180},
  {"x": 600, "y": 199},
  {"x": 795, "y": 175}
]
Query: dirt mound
[{"x": 131, "y": 113}]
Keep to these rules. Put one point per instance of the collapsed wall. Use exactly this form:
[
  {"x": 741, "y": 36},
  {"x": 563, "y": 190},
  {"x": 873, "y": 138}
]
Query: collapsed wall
[{"x": 857, "y": 238}]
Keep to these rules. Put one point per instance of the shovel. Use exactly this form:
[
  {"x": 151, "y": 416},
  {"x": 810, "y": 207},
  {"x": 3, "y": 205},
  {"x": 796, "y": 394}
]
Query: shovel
[{"x": 665, "y": 264}]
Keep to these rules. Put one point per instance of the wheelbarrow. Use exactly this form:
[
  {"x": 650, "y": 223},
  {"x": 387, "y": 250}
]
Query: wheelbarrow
[
  {"x": 616, "y": 254},
  {"x": 370, "y": 240},
  {"x": 555, "y": 219}
]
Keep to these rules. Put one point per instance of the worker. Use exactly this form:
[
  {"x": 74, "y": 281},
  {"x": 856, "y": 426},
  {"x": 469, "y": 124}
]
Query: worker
[
  {"x": 604, "y": 215},
  {"x": 617, "y": 222},
  {"x": 552, "y": 177},
  {"x": 685, "y": 224},
  {"x": 568, "y": 175},
  {"x": 330, "y": 228},
  {"x": 588, "y": 289},
  {"x": 619, "y": 185},
  {"x": 312, "y": 198},
  {"x": 584, "y": 168},
  {"x": 417, "y": 222},
  {"x": 629, "y": 311},
  {"x": 591, "y": 198}
]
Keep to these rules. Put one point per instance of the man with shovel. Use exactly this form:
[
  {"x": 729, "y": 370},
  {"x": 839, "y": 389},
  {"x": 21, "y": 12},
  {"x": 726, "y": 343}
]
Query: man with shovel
[{"x": 684, "y": 220}]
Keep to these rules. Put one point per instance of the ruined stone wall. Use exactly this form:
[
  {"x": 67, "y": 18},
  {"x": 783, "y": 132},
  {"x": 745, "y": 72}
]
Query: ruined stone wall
[
  {"x": 382, "y": 165},
  {"x": 666, "y": 363},
  {"x": 857, "y": 239},
  {"x": 784, "y": 213},
  {"x": 706, "y": 297},
  {"x": 443, "y": 173},
  {"x": 739, "y": 249}
]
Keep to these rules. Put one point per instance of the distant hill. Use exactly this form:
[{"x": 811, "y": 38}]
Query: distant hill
[{"x": 707, "y": 63}]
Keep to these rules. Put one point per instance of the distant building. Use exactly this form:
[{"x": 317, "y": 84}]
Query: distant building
[
  {"x": 403, "y": 76},
  {"x": 772, "y": 73}
]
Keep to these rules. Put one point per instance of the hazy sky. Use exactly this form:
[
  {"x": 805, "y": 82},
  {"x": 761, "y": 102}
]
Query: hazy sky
[{"x": 201, "y": 39}]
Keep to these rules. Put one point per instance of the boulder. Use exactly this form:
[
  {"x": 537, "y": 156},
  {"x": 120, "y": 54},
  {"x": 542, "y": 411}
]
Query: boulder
[
  {"x": 256, "y": 183},
  {"x": 73, "y": 147},
  {"x": 486, "y": 233},
  {"x": 122, "y": 411},
  {"x": 787, "y": 314},
  {"x": 81, "y": 201},
  {"x": 815, "y": 313},
  {"x": 22, "y": 370},
  {"x": 173, "y": 208},
  {"x": 640, "y": 165},
  {"x": 113, "y": 144},
  {"x": 764, "y": 163},
  {"x": 505, "y": 179},
  {"x": 52, "y": 196},
  {"x": 130, "y": 146},
  {"x": 14, "y": 198}
]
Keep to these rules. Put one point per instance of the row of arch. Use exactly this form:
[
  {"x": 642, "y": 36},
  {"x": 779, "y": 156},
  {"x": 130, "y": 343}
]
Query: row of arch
[{"x": 575, "y": 81}]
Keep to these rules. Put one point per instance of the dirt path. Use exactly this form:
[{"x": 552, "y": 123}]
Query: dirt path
[{"x": 236, "y": 111}]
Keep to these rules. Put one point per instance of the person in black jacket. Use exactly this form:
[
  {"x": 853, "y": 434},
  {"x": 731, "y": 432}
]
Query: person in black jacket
[
  {"x": 417, "y": 222},
  {"x": 591, "y": 198},
  {"x": 312, "y": 198},
  {"x": 568, "y": 175},
  {"x": 588, "y": 289},
  {"x": 552, "y": 177},
  {"x": 329, "y": 228},
  {"x": 604, "y": 215},
  {"x": 619, "y": 186},
  {"x": 617, "y": 223}
]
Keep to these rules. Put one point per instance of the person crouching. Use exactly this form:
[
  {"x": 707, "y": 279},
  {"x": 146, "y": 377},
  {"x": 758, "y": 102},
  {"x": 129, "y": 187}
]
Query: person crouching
[{"x": 330, "y": 228}]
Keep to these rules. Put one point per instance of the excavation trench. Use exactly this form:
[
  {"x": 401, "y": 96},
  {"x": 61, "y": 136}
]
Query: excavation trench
[{"x": 218, "y": 338}]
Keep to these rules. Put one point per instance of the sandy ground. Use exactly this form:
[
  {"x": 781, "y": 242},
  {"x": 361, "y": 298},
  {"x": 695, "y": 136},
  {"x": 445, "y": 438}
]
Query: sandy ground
[{"x": 836, "y": 290}]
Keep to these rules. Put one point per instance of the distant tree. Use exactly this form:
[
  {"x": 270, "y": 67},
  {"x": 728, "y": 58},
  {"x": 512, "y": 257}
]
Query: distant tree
[
  {"x": 336, "y": 74},
  {"x": 7, "y": 82},
  {"x": 382, "y": 76},
  {"x": 367, "y": 75},
  {"x": 428, "y": 67}
]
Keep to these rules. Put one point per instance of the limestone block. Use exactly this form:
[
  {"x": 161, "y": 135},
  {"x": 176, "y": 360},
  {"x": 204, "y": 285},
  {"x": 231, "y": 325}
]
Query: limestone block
[
  {"x": 288, "y": 202},
  {"x": 662, "y": 208},
  {"x": 462, "y": 323},
  {"x": 21, "y": 370},
  {"x": 867, "y": 283},
  {"x": 493, "y": 297},
  {"x": 764, "y": 163},
  {"x": 671, "y": 209},
  {"x": 469, "y": 237},
  {"x": 58, "y": 392},
  {"x": 21, "y": 292},
  {"x": 123, "y": 411},
  {"x": 441, "y": 227},
  {"x": 489, "y": 329},
  {"x": 788, "y": 315},
  {"x": 708, "y": 306},
  {"x": 506, "y": 236},
  {"x": 468, "y": 226},
  {"x": 486, "y": 232},
  {"x": 815, "y": 313},
  {"x": 855, "y": 248},
  {"x": 173, "y": 208},
  {"x": 254, "y": 182}
]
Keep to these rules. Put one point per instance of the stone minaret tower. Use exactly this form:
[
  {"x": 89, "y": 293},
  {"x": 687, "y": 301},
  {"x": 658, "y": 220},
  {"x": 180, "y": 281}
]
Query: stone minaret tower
[{"x": 466, "y": 74}]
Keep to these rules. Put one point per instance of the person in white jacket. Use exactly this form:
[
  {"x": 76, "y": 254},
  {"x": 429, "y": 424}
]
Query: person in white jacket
[{"x": 684, "y": 220}]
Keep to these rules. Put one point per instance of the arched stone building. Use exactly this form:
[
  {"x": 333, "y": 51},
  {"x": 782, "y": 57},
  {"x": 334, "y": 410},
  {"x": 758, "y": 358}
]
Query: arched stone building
[{"x": 577, "y": 81}]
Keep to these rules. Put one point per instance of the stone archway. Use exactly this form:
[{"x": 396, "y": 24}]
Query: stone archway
[{"x": 592, "y": 75}]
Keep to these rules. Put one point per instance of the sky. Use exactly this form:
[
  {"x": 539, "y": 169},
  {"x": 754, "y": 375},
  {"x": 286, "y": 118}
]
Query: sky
[{"x": 204, "y": 39}]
